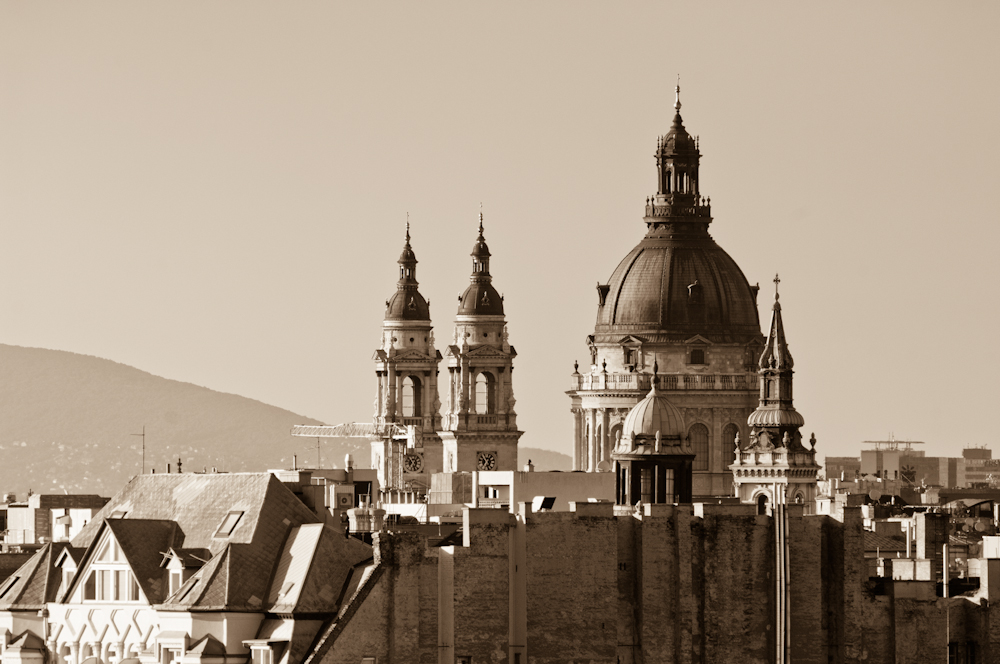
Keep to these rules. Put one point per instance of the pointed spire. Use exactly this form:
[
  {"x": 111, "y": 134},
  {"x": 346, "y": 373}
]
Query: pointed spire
[
  {"x": 776, "y": 355},
  {"x": 677, "y": 92}
]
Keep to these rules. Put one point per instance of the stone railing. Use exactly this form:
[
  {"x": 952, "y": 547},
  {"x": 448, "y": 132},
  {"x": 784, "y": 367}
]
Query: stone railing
[
  {"x": 775, "y": 457},
  {"x": 667, "y": 382}
]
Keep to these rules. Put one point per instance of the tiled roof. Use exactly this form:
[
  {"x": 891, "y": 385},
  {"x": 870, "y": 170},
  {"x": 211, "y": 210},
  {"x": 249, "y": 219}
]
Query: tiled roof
[
  {"x": 312, "y": 570},
  {"x": 182, "y": 514},
  {"x": 199, "y": 504},
  {"x": 143, "y": 541},
  {"x": 37, "y": 582}
]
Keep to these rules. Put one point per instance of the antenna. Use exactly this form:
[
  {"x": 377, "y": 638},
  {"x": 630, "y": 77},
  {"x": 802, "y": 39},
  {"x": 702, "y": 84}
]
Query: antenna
[{"x": 143, "y": 434}]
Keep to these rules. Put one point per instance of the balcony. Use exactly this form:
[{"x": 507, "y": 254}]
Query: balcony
[{"x": 667, "y": 382}]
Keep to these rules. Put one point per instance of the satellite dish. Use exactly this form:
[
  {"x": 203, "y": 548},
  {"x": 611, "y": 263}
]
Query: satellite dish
[
  {"x": 875, "y": 494},
  {"x": 980, "y": 526}
]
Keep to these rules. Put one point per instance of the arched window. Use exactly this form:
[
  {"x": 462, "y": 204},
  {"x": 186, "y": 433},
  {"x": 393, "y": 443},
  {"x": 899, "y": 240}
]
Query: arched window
[
  {"x": 799, "y": 499},
  {"x": 699, "y": 443},
  {"x": 411, "y": 396},
  {"x": 762, "y": 504},
  {"x": 729, "y": 434},
  {"x": 485, "y": 398}
]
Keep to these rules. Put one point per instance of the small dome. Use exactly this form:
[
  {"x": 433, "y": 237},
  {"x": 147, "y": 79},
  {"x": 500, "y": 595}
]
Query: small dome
[
  {"x": 480, "y": 299},
  {"x": 775, "y": 417},
  {"x": 480, "y": 250},
  {"x": 652, "y": 414},
  {"x": 407, "y": 304},
  {"x": 678, "y": 140}
]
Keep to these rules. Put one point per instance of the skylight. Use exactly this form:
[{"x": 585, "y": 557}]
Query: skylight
[{"x": 228, "y": 524}]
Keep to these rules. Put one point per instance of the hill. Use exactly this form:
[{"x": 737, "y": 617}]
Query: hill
[{"x": 67, "y": 423}]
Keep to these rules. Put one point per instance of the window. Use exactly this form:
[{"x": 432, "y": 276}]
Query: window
[
  {"x": 411, "y": 396},
  {"x": 484, "y": 394},
  {"x": 762, "y": 504},
  {"x": 228, "y": 524},
  {"x": 699, "y": 443},
  {"x": 697, "y": 356},
  {"x": 111, "y": 585},
  {"x": 175, "y": 581}
]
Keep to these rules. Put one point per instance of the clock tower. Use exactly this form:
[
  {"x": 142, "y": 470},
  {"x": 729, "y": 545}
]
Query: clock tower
[
  {"x": 406, "y": 368},
  {"x": 479, "y": 428}
]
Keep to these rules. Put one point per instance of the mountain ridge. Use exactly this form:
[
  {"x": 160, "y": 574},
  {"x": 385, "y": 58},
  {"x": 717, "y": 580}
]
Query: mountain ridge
[{"x": 69, "y": 423}]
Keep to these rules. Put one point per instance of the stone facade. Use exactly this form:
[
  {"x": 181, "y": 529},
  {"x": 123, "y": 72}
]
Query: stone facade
[{"x": 674, "y": 583}]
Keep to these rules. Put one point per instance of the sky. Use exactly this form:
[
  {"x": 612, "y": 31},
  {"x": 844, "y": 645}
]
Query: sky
[{"x": 216, "y": 192}]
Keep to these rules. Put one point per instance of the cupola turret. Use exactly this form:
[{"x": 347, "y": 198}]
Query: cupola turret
[
  {"x": 480, "y": 298},
  {"x": 773, "y": 467},
  {"x": 653, "y": 456},
  {"x": 407, "y": 303}
]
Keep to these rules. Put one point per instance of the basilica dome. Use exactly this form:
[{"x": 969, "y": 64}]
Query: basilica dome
[
  {"x": 679, "y": 285},
  {"x": 677, "y": 282}
]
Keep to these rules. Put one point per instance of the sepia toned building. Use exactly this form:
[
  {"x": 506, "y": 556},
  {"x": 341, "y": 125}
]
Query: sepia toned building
[{"x": 677, "y": 301}]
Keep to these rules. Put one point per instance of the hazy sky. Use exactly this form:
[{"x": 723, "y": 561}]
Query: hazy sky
[{"x": 216, "y": 192}]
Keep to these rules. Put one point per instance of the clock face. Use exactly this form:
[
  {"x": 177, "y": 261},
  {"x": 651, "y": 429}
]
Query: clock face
[
  {"x": 486, "y": 461},
  {"x": 412, "y": 463}
]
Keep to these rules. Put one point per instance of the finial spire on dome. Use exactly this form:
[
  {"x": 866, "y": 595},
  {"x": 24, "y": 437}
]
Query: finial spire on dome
[
  {"x": 407, "y": 228},
  {"x": 677, "y": 91},
  {"x": 776, "y": 355},
  {"x": 480, "y": 220}
]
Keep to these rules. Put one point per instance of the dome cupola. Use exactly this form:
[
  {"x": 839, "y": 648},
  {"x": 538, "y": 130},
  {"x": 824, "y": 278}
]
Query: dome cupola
[
  {"x": 407, "y": 303},
  {"x": 480, "y": 298},
  {"x": 652, "y": 419}
]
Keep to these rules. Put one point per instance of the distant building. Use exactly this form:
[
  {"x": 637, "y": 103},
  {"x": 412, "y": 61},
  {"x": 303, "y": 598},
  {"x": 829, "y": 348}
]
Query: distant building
[
  {"x": 897, "y": 460},
  {"x": 46, "y": 518}
]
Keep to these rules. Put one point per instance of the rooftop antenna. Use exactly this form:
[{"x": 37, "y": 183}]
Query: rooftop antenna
[{"x": 143, "y": 435}]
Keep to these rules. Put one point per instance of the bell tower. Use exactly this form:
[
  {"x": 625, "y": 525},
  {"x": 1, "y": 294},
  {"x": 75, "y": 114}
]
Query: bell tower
[
  {"x": 406, "y": 368},
  {"x": 479, "y": 429},
  {"x": 774, "y": 467}
]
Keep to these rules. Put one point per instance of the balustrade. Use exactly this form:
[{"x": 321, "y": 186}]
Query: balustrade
[{"x": 675, "y": 381}]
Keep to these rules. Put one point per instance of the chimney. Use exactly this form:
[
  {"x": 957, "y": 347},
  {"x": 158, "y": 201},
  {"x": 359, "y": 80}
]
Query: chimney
[{"x": 178, "y": 465}]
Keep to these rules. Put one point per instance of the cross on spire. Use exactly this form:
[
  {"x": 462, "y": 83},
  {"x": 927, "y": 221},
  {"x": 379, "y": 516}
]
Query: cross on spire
[
  {"x": 480, "y": 218},
  {"x": 677, "y": 91},
  {"x": 777, "y": 280},
  {"x": 407, "y": 226}
]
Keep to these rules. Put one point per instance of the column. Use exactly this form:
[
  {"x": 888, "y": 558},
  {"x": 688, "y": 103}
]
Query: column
[
  {"x": 390, "y": 385},
  {"x": 578, "y": 442},
  {"x": 591, "y": 440},
  {"x": 605, "y": 450}
]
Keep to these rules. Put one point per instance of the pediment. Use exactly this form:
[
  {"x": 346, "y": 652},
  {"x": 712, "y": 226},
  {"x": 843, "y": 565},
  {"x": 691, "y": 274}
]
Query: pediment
[
  {"x": 699, "y": 340},
  {"x": 631, "y": 340},
  {"x": 410, "y": 354},
  {"x": 486, "y": 351},
  {"x": 379, "y": 355}
]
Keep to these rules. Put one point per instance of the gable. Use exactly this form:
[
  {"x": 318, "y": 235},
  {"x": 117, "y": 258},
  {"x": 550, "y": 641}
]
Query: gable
[
  {"x": 698, "y": 340},
  {"x": 631, "y": 340},
  {"x": 486, "y": 351}
]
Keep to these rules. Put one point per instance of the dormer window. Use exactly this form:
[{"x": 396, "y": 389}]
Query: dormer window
[
  {"x": 110, "y": 579},
  {"x": 228, "y": 524}
]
